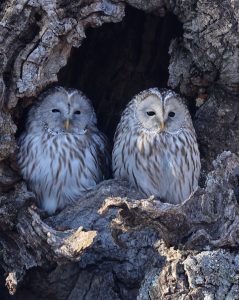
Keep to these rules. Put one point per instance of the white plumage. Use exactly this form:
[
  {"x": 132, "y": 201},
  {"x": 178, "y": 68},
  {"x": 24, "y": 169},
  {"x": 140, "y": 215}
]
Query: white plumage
[
  {"x": 155, "y": 146},
  {"x": 62, "y": 154}
]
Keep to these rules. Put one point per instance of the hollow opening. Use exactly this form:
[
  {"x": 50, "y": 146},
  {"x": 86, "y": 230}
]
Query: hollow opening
[{"x": 117, "y": 61}]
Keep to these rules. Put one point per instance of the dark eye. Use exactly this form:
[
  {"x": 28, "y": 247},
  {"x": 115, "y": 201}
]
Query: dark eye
[
  {"x": 77, "y": 112},
  {"x": 171, "y": 114},
  {"x": 55, "y": 110},
  {"x": 150, "y": 113}
]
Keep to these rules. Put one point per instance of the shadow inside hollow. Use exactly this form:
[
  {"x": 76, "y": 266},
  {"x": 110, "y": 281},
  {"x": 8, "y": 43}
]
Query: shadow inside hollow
[{"x": 117, "y": 61}]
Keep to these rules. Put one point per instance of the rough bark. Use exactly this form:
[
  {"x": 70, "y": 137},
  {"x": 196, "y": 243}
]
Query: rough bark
[
  {"x": 209, "y": 218},
  {"x": 113, "y": 244}
]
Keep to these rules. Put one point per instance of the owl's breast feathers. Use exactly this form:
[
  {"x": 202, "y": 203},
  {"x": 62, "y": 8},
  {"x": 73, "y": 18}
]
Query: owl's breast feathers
[
  {"x": 159, "y": 163},
  {"x": 60, "y": 167}
]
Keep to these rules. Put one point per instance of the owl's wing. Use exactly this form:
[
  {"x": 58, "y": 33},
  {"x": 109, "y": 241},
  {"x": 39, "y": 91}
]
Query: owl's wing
[{"x": 103, "y": 154}]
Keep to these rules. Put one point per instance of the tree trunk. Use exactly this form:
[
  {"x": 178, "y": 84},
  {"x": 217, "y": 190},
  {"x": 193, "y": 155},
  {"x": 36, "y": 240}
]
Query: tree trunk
[{"x": 113, "y": 243}]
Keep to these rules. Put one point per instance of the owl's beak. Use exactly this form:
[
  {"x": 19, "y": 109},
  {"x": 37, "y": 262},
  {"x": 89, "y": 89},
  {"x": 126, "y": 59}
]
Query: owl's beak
[
  {"x": 67, "y": 124},
  {"x": 162, "y": 125}
]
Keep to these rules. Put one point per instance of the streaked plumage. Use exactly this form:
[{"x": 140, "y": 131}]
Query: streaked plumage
[
  {"x": 62, "y": 154},
  {"x": 155, "y": 146}
]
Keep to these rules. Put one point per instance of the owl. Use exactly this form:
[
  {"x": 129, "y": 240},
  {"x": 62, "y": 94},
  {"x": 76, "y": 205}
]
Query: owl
[
  {"x": 155, "y": 146},
  {"x": 62, "y": 154}
]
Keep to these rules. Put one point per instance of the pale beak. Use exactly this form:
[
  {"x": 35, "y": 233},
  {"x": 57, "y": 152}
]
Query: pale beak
[
  {"x": 67, "y": 124},
  {"x": 162, "y": 125}
]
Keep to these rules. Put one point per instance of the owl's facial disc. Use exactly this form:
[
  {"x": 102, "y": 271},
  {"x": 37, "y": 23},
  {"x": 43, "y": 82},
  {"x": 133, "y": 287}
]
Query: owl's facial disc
[
  {"x": 150, "y": 113},
  {"x": 67, "y": 112},
  {"x": 81, "y": 112},
  {"x": 157, "y": 114},
  {"x": 175, "y": 114}
]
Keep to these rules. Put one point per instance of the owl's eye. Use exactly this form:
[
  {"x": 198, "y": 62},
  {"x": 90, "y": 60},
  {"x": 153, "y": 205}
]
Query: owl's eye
[
  {"x": 77, "y": 112},
  {"x": 150, "y": 113},
  {"x": 55, "y": 110},
  {"x": 171, "y": 114}
]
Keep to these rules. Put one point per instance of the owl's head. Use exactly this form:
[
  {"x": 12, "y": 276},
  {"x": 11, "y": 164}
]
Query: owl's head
[
  {"x": 161, "y": 110},
  {"x": 63, "y": 110}
]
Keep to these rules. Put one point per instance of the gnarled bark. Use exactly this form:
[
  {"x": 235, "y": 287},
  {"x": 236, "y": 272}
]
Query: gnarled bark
[{"x": 113, "y": 243}]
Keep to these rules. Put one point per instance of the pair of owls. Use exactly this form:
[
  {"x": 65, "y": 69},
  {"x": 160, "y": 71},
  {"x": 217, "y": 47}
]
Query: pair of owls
[{"x": 62, "y": 154}]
